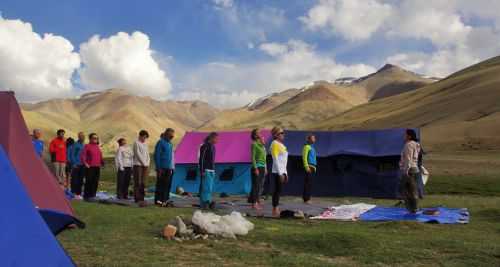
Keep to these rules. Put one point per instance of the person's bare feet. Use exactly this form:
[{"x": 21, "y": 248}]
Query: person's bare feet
[
  {"x": 309, "y": 202},
  {"x": 276, "y": 212}
]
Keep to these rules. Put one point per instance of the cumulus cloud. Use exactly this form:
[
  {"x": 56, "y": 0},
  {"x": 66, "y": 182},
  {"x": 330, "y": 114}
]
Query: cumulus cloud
[
  {"x": 351, "y": 19},
  {"x": 460, "y": 32},
  {"x": 223, "y": 3},
  {"x": 123, "y": 61},
  {"x": 35, "y": 66},
  {"x": 293, "y": 64}
]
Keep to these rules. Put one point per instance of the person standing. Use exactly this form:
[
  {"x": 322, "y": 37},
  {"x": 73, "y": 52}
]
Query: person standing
[
  {"x": 69, "y": 164},
  {"x": 141, "y": 165},
  {"x": 310, "y": 166},
  {"x": 207, "y": 170},
  {"x": 57, "y": 149},
  {"x": 259, "y": 169},
  {"x": 279, "y": 154},
  {"x": 409, "y": 171},
  {"x": 164, "y": 162},
  {"x": 37, "y": 142},
  {"x": 78, "y": 172},
  {"x": 123, "y": 161},
  {"x": 92, "y": 159}
]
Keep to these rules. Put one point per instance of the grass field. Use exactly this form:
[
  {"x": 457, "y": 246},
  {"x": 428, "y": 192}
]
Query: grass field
[{"x": 128, "y": 236}]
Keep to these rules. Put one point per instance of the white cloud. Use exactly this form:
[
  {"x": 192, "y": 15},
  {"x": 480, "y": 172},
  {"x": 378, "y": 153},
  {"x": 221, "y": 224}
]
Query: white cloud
[
  {"x": 123, "y": 61},
  {"x": 435, "y": 21},
  {"x": 274, "y": 49},
  {"x": 291, "y": 65},
  {"x": 223, "y": 3},
  {"x": 35, "y": 67},
  {"x": 351, "y": 19}
]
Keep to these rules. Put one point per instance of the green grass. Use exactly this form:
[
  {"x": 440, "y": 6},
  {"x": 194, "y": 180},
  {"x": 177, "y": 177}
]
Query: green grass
[{"x": 129, "y": 236}]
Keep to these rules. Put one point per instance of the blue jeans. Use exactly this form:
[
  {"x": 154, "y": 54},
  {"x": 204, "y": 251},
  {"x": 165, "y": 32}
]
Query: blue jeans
[{"x": 206, "y": 188}]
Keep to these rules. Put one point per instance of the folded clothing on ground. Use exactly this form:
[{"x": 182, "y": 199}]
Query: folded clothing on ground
[{"x": 344, "y": 212}]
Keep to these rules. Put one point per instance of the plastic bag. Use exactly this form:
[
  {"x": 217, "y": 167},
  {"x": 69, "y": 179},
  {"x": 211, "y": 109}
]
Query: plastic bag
[{"x": 227, "y": 226}]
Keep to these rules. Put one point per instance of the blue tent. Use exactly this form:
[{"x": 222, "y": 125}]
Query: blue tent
[
  {"x": 231, "y": 178},
  {"x": 350, "y": 163},
  {"x": 25, "y": 239}
]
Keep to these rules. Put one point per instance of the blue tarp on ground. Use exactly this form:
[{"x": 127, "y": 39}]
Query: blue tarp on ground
[
  {"x": 445, "y": 216},
  {"x": 237, "y": 181},
  {"x": 25, "y": 239}
]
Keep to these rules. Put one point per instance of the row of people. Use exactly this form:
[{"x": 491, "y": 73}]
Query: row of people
[{"x": 86, "y": 160}]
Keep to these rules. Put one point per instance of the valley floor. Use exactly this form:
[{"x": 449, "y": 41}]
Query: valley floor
[{"x": 127, "y": 236}]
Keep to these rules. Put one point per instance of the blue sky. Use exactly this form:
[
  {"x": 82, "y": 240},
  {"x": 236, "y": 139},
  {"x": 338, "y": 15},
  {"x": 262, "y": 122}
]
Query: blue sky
[{"x": 228, "y": 52}]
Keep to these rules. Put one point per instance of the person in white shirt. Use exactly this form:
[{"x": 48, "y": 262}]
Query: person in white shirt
[
  {"x": 409, "y": 171},
  {"x": 123, "y": 162},
  {"x": 279, "y": 154},
  {"x": 141, "y": 166}
]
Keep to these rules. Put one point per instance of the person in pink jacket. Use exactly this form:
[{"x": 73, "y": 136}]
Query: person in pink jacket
[{"x": 91, "y": 158}]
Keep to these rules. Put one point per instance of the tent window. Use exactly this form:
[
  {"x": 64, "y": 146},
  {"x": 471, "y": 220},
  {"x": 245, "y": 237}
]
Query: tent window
[
  {"x": 191, "y": 174},
  {"x": 227, "y": 174}
]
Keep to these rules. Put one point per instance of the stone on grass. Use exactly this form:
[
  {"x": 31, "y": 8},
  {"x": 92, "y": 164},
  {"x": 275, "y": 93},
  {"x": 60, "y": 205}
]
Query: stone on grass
[{"x": 169, "y": 231}]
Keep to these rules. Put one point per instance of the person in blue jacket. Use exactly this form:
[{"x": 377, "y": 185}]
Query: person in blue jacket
[
  {"x": 37, "y": 142},
  {"x": 78, "y": 171},
  {"x": 165, "y": 166}
]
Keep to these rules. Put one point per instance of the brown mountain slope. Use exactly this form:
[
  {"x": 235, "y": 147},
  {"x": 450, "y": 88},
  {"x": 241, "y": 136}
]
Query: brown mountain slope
[
  {"x": 227, "y": 119},
  {"x": 391, "y": 80},
  {"x": 459, "y": 112},
  {"x": 319, "y": 101},
  {"x": 115, "y": 113}
]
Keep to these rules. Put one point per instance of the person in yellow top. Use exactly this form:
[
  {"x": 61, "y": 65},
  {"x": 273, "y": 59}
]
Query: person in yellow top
[
  {"x": 279, "y": 154},
  {"x": 310, "y": 166}
]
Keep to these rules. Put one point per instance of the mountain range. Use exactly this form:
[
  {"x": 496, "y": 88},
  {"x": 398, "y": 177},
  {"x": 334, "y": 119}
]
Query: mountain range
[{"x": 458, "y": 112}]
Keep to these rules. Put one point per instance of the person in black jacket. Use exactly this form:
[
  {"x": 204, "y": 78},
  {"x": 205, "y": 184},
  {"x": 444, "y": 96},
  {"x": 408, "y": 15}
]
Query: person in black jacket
[{"x": 207, "y": 170}]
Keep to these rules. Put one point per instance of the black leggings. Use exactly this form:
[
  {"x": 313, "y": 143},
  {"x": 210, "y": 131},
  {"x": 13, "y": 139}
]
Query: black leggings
[
  {"x": 123, "y": 182},
  {"x": 163, "y": 184},
  {"x": 91, "y": 182},
  {"x": 277, "y": 190},
  {"x": 77, "y": 176},
  {"x": 308, "y": 181}
]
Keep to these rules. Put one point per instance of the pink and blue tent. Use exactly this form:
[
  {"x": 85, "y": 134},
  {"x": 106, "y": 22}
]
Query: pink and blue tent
[{"x": 233, "y": 162}]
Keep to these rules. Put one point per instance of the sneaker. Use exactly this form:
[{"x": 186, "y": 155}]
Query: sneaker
[{"x": 78, "y": 197}]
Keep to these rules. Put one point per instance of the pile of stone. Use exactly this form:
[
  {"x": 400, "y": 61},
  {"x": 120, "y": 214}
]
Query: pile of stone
[{"x": 182, "y": 230}]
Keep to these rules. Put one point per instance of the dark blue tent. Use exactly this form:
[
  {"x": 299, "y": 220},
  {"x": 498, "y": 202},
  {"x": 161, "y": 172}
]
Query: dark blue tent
[
  {"x": 25, "y": 239},
  {"x": 350, "y": 163}
]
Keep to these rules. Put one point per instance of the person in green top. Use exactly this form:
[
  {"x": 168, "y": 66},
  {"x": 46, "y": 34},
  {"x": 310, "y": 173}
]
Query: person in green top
[
  {"x": 259, "y": 170},
  {"x": 310, "y": 166}
]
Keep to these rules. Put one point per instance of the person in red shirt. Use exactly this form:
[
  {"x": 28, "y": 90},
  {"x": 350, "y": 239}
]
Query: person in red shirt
[
  {"x": 57, "y": 149},
  {"x": 91, "y": 158}
]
